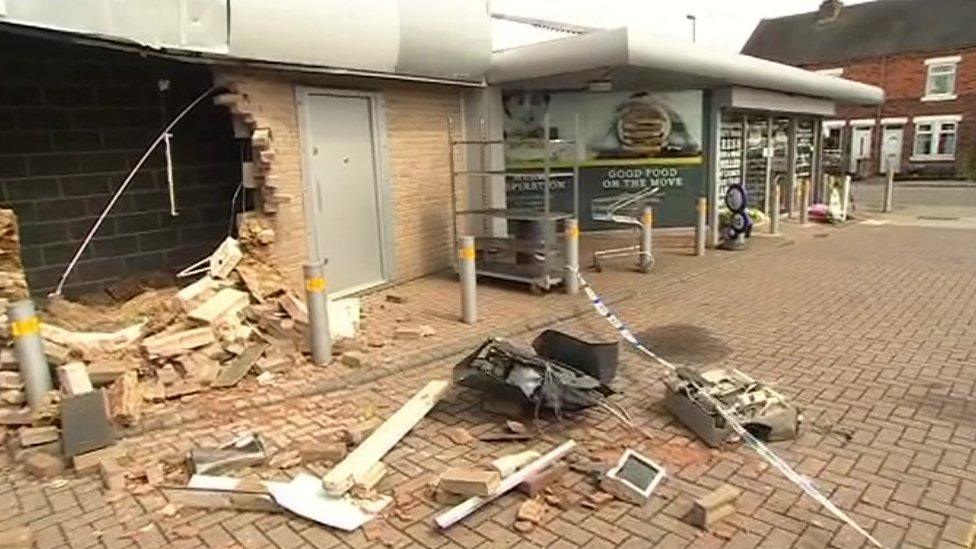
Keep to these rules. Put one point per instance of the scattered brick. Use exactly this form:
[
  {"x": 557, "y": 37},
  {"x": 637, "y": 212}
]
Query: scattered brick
[{"x": 43, "y": 465}]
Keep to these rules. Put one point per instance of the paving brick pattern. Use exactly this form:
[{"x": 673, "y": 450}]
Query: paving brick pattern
[
  {"x": 504, "y": 310},
  {"x": 870, "y": 329}
]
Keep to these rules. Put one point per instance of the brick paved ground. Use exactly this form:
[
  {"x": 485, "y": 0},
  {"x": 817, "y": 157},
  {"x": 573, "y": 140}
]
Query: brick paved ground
[
  {"x": 434, "y": 301},
  {"x": 871, "y": 329}
]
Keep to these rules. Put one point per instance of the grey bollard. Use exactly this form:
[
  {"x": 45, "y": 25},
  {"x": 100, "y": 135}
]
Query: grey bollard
[
  {"x": 317, "y": 301},
  {"x": 701, "y": 209},
  {"x": 645, "y": 260},
  {"x": 469, "y": 279},
  {"x": 805, "y": 202},
  {"x": 889, "y": 191},
  {"x": 570, "y": 277},
  {"x": 846, "y": 196},
  {"x": 25, "y": 328},
  {"x": 774, "y": 211}
]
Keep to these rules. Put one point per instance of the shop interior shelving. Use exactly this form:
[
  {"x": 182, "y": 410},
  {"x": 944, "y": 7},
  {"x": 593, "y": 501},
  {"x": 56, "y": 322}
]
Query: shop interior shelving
[{"x": 531, "y": 249}]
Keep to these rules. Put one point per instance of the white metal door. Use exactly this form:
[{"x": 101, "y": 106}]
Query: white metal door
[
  {"x": 860, "y": 145},
  {"x": 891, "y": 147},
  {"x": 340, "y": 148}
]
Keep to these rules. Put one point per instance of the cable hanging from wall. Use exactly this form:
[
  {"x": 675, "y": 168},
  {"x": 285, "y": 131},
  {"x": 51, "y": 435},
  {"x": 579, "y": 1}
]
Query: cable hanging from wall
[{"x": 162, "y": 137}]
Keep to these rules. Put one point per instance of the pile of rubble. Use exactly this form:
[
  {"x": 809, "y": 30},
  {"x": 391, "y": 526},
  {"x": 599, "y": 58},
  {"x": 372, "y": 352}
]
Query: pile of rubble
[{"x": 13, "y": 284}]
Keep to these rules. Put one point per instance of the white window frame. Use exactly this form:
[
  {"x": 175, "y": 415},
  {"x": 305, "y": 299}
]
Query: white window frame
[
  {"x": 941, "y": 63},
  {"x": 838, "y": 72},
  {"x": 937, "y": 124}
]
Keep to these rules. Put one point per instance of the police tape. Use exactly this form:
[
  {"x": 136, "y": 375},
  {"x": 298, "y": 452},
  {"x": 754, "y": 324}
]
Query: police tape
[{"x": 805, "y": 483}]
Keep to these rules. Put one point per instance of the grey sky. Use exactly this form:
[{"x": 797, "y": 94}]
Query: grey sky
[{"x": 724, "y": 24}]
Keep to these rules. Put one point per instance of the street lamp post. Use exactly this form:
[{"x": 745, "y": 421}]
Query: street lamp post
[{"x": 694, "y": 27}]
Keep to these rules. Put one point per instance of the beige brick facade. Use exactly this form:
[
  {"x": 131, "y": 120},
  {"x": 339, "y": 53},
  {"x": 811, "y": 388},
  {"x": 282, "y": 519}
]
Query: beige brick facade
[{"x": 417, "y": 163}]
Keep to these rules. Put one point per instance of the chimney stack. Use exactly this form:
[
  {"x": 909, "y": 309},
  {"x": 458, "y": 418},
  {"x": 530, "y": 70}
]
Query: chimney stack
[{"x": 829, "y": 10}]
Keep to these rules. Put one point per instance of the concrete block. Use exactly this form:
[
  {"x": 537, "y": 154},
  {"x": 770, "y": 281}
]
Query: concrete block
[{"x": 470, "y": 482}]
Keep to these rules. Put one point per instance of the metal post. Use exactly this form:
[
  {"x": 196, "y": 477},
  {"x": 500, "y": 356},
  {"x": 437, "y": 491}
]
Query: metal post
[
  {"x": 889, "y": 190},
  {"x": 701, "y": 209},
  {"x": 774, "y": 213},
  {"x": 25, "y": 328},
  {"x": 317, "y": 302},
  {"x": 570, "y": 278},
  {"x": 469, "y": 289},
  {"x": 846, "y": 196},
  {"x": 804, "y": 201},
  {"x": 646, "y": 260}
]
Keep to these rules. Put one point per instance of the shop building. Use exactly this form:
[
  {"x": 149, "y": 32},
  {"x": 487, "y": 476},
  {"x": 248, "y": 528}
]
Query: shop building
[
  {"x": 918, "y": 53},
  {"x": 337, "y": 133}
]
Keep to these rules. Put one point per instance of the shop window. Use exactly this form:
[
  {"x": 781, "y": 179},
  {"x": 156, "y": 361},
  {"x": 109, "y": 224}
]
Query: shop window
[
  {"x": 935, "y": 140},
  {"x": 940, "y": 83}
]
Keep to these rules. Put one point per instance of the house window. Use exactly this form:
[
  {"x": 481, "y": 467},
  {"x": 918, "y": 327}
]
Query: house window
[
  {"x": 940, "y": 83},
  {"x": 935, "y": 139}
]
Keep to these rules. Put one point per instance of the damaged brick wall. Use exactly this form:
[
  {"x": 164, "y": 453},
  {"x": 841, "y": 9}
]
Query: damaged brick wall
[
  {"x": 418, "y": 163},
  {"x": 73, "y": 121}
]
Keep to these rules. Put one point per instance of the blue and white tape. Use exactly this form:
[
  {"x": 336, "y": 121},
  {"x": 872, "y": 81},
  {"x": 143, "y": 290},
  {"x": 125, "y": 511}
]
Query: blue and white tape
[{"x": 805, "y": 483}]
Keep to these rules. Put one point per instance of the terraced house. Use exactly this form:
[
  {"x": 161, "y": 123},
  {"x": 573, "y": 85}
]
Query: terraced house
[{"x": 921, "y": 52}]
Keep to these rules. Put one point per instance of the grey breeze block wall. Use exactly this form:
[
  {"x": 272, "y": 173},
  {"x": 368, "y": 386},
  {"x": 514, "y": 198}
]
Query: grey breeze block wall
[{"x": 73, "y": 121}]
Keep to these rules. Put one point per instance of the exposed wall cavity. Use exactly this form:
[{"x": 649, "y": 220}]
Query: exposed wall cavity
[{"x": 73, "y": 121}]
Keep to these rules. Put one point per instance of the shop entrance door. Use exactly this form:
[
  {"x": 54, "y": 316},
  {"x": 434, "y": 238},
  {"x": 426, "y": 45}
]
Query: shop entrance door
[
  {"x": 339, "y": 138},
  {"x": 891, "y": 147}
]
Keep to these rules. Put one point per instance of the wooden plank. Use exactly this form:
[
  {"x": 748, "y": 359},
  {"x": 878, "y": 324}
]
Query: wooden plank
[
  {"x": 227, "y": 302},
  {"x": 295, "y": 307},
  {"x": 457, "y": 513},
  {"x": 506, "y": 465},
  {"x": 32, "y": 436},
  {"x": 340, "y": 479},
  {"x": 105, "y": 372},
  {"x": 230, "y": 375},
  {"x": 179, "y": 342}
]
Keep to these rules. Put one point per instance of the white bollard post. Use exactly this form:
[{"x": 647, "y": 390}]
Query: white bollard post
[
  {"x": 645, "y": 260},
  {"x": 701, "y": 210},
  {"x": 774, "y": 212},
  {"x": 570, "y": 276},
  {"x": 317, "y": 302},
  {"x": 804, "y": 201},
  {"x": 889, "y": 191},
  {"x": 846, "y": 196},
  {"x": 469, "y": 281},
  {"x": 25, "y": 328}
]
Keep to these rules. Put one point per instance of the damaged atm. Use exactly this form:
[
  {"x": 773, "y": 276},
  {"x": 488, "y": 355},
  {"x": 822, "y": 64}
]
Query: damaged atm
[{"x": 763, "y": 412}]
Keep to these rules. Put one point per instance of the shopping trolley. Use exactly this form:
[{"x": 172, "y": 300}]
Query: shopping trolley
[{"x": 625, "y": 209}]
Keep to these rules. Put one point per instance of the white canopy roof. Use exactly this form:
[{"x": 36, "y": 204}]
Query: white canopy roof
[{"x": 632, "y": 61}]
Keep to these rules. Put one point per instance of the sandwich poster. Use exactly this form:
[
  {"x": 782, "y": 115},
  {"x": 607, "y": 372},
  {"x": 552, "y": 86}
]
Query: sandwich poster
[
  {"x": 617, "y": 128},
  {"x": 633, "y": 148}
]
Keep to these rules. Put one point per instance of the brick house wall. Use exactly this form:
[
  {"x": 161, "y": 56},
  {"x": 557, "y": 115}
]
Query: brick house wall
[
  {"x": 73, "y": 121},
  {"x": 903, "y": 79},
  {"x": 417, "y": 161}
]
